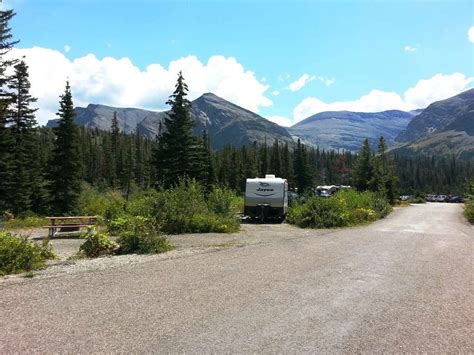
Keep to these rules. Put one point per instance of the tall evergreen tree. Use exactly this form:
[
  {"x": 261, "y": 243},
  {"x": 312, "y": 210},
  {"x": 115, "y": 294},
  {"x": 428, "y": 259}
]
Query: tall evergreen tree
[
  {"x": 116, "y": 166},
  {"x": 66, "y": 164},
  {"x": 303, "y": 178},
  {"x": 6, "y": 139},
  {"x": 363, "y": 172},
  {"x": 264, "y": 158},
  {"x": 275, "y": 159},
  {"x": 177, "y": 153},
  {"x": 206, "y": 175},
  {"x": 384, "y": 179},
  {"x": 22, "y": 125}
]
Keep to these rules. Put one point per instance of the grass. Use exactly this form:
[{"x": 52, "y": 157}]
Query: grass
[{"x": 27, "y": 222}]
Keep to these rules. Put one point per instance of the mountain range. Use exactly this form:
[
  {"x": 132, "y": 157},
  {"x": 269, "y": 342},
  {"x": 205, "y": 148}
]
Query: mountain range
[
  {"x": 445, "y": 127},
  {"x": 346, "y": 130},
  {"x": 225, "y": 122}
]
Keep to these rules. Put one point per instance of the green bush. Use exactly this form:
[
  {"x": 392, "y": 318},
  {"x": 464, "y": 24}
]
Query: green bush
[
  {"x": 207, "y": 223},
  {"x": 181, "y": 209},
  {"x": 142, "y": 204},
  {"x": 97, "y": 244},
  {"x": 18, "y": 254},
  {"x": 469, "y": 210},
  {"x": 346, "y": 208},
  {"x": 141, "y": 235},
  {"x": 28, "y": 222},
  {"x": 221, "y": 201},
  {"x": 108, "y": 205},
  {"x": 318, "y": 213}
]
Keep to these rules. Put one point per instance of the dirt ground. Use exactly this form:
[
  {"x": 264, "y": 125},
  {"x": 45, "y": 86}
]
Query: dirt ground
[
  {"x": 249, "y": 234},
  {"x": 403, "y": 284}
]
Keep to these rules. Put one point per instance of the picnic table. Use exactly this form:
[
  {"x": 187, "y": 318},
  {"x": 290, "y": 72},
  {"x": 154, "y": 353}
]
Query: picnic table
[{"x": 68, "y": 225}]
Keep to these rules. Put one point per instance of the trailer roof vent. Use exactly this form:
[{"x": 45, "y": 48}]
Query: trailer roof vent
[{"x": 269, "y": 176}]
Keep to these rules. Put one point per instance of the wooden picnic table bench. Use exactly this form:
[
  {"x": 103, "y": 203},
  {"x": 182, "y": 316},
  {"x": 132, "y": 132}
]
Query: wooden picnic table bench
[{"x": 68, "y": 225}]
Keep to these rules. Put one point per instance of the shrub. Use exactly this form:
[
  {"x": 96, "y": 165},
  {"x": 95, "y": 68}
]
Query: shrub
[
  {"x": 18, "y": 254},
  {"x": 108, "y": 205},
  {"x": 221, "y": 201},
  {"x": 141, "y": 235},
  {"x": 346, "y": 208},
  {"x": 28, "y": 222},
  {"x": 181, "y": 209},
  {"x": 207, "y": 223},
  {"x": 97, "y": 244},
  {"x": 184, "y": 209},
  {"x": 142, "y": 204},
  {"x": 319, "y": 213},
  {"x": 361, "y": 215},
  {"x": 469, "y": 209}
]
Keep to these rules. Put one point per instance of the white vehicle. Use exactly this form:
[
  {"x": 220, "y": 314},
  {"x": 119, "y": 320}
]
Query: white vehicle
[{"x": 266, "y": 197}]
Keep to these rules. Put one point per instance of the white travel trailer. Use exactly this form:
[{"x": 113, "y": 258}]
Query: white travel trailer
[{"x": 266, "y": 197}]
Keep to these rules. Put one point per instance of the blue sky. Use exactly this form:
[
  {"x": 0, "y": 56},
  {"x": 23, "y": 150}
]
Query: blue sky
[{"x": 354, "y": 55}]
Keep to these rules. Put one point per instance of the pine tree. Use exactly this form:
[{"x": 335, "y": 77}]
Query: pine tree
[
  {"x": 384, "y": 179},
  {"x": 23, "y": 122},
  {"x": 177, "y": 153},
  {"x": 66, "y": 164},
  {"x": 139, "y": 162},
  {"x": 363, "y": 172},
  {"x": 116, "y": 166},
  {"x": 206, "y": 175},
  {"x": 275, "y": 160},
  {"x": 264, "y": 158},
  {"x": 6, "y": 139},
  {"x": 6, "y": 162},
  {"x": 303, "y": 178},
  {"x": 286, "y": 168}
]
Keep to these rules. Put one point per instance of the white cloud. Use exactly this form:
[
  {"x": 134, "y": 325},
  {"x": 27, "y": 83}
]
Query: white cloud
[
  {"x": 275, "y": 93},
  {"x": 280, "y": 120},
  {"x": 326, "y": 81},
  {"x": 374, "y": 101},
  {"x": 425, "y": 92},
  {"x": 470, "y": 34},
  {"x": 118, "y": 82},
  {"x": 283, "y": 77},
  {"x": 436, "y": 88},
  {"x": 409, "y": 48},
  {"x": 302, "y": 81},
  {"x": 67, "y": 48}
]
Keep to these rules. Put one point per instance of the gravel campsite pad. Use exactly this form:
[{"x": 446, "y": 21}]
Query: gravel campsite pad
[{"x": 185, "y": 245}]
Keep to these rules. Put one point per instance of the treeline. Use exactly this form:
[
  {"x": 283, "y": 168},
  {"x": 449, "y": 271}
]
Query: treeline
[{"x": 114, "y": 160}]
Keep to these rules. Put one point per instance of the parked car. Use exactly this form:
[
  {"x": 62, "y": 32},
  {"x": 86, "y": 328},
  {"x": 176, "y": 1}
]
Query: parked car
[
  {"x": 441, "y": 198},
  {"x": 456, "y": 199}
]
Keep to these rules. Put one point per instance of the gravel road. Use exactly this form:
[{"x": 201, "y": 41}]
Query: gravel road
[{"x": 402, "y": 284}]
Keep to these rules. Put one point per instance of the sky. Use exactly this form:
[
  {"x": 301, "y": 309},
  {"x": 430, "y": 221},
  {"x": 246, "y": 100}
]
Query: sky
[{"x": 285, "y": 60}]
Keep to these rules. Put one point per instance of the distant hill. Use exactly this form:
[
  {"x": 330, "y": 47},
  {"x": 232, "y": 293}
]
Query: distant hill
[
  {"x": 438, "y": 116},
  {"x": 444, "y": 128},
  {"x": 346, "y": 130},
  {"x": 225, "y": 122}
]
